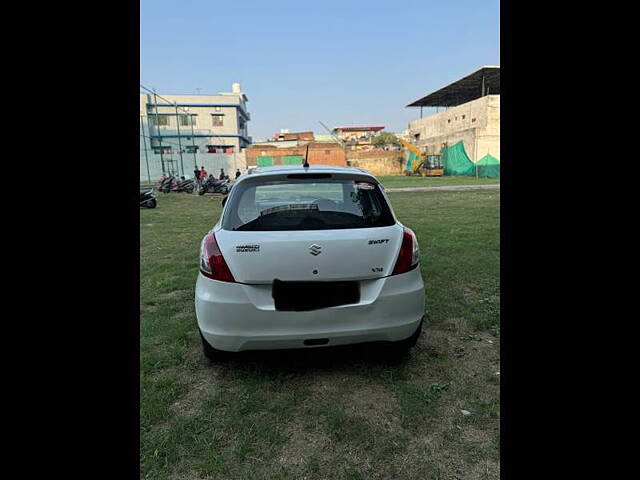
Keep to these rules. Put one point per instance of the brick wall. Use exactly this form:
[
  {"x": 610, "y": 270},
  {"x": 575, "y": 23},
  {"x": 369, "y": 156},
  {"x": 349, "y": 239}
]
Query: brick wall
[{"x": 320, "y": 154}]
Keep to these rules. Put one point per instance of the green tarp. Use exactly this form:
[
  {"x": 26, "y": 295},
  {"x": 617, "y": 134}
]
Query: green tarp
[
  {"x": 456, "y": 161},
  {"x": 489, "y": 166}
]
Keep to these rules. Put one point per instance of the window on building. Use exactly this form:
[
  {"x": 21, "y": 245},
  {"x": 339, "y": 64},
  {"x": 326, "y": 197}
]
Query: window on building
[
  {"x": 159, "y": 120},
  {"x": 473, "y": 119},
  {"x": 449, "y": 121},
  {"x": 219, "y": 148},
  {"x": 162, "y": 149},
  {"x": 217, "y": 120},
  {"x": 187, "y": 120},
  {"x": 241, "y": 123},
  {"x": 192, "y": 148},
  {"x": 464, "y": 116}
]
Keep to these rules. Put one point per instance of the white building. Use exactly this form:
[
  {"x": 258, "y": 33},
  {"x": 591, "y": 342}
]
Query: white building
[{"x": 181, "y": 131}]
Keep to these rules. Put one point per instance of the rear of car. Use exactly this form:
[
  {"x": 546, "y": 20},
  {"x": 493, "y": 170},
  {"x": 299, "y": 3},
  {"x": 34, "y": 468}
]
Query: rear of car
[{"x": 306, "y": 258}]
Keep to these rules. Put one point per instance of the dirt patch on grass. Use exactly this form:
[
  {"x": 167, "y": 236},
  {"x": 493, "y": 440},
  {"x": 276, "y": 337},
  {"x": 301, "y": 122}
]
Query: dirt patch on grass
[
  {"x": 376, "y": 403},
  {"x": 171, "y": 295},
  {"x": 302, "y": 445},
  {"x": 179, "y": 315},
  {"x": 204, "y": 382}
]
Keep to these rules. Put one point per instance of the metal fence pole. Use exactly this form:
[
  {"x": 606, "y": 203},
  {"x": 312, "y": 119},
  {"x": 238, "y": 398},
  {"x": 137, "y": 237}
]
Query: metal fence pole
[
  {"x": 179, "y": 141},
  {"x": 155, "y": 111},
  {"x": 146, "y": 157},
  {"x": 193, "y": 143}
]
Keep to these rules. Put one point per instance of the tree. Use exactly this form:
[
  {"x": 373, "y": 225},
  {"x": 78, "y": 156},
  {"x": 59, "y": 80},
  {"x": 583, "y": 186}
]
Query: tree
[{"x": 385, "y": 138}]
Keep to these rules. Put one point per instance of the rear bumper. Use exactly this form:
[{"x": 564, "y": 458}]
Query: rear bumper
[{"x": 235, "y": 317}]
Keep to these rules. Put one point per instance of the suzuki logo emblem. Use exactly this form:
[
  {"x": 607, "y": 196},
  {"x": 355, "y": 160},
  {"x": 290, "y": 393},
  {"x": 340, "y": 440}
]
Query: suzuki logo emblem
[{"x": 315, "y": 249}]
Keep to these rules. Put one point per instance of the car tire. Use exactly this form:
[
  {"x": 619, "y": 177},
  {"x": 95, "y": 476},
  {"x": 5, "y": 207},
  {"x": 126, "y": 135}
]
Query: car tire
[
  {"x": 211, "y": 353},
  {"x": 152, "y": 203},
  {"x": 402, "y": 347}
]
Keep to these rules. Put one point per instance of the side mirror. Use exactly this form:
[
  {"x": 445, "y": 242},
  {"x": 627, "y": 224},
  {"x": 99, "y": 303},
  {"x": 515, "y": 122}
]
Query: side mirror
[{"x": 224, "y": 200}]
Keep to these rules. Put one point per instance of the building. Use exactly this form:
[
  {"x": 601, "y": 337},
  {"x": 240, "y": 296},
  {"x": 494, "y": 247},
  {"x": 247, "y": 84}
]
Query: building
[
  {"x": 196, "y": 123},
  {"x": 286, "y": 136},
  {"x": 269, "y": 153},
  {"x": 471, "y": 114},
  {"x": 357, "y": 137}
]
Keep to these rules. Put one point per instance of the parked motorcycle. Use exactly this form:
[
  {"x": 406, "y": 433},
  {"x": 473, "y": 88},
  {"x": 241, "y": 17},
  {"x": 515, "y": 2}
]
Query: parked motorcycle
[
  {"x": 174, "y": 184},
  {"x": 211, "y": 185},
  {"x": 147, "y": 198},
  {"x": 183, "y": 185},
  {"x": 167, "y": 183}
]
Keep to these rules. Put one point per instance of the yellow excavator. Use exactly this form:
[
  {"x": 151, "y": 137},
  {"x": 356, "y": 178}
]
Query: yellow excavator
[{"x": 427, "y": 164}]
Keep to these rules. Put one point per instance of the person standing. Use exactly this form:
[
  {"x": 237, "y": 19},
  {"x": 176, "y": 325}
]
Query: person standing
[
  {"x": 222, "y": 175},
  {"x": 203, "y": 173},
  {"x": 238, "y": 173},
  {"x": 196, "y": 175}
]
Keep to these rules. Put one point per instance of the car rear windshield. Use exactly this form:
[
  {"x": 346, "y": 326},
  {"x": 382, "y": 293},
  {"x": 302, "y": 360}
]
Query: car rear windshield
[{"x": 305, "y": 204}]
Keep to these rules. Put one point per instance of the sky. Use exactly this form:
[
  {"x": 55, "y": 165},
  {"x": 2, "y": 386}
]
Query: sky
[{"x": 346, "y": 62}]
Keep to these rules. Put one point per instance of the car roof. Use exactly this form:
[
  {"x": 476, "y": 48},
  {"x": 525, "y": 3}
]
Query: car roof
[{"x": 284, "y": 169}]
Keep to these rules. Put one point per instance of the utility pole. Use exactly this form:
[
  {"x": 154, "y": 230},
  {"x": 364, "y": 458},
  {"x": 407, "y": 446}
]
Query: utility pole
[
  {"x": 179, "y": 141},
  {"x": 155, "y": 112},
  {"x": 145, "y": 149}
]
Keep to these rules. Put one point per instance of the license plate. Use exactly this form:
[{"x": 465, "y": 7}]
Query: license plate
[{"x": 305, "y": 296}]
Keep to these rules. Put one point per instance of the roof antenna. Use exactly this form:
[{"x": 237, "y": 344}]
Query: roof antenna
[{"x": 306, "y": 155}]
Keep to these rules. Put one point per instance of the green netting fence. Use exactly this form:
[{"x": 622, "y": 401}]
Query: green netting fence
[
  {"x": 456, "y": 162},
  {"x": 489, "y": 166}
]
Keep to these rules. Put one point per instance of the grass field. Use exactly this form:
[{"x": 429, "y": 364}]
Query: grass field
[
  {"x": 391, "y": 181},
  {"x": 348, "y": 413},
  {"x": 394, "y": 181}
]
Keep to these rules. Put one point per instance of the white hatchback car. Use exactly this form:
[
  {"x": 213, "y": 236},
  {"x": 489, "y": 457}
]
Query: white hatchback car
[{"x": 304, "y": 257}]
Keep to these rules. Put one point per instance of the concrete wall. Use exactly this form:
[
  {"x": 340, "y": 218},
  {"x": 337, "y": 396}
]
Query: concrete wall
[
  {"x": 390, "y": 165},
  {"x": 475, "y": 123},
  {"x": 212, "y": 162}
]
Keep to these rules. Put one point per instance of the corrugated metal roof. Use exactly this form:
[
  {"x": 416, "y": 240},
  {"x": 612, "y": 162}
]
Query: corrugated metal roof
[{"x": 464, "y": 90}]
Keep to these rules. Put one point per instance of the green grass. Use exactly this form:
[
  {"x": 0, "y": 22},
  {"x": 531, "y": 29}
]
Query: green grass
[
  {"x": 348, "y": 413},
  {"x": 395, "y": 181}
]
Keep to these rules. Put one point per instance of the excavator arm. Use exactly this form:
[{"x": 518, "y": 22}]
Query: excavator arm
[{"x": 419, "y": 155}]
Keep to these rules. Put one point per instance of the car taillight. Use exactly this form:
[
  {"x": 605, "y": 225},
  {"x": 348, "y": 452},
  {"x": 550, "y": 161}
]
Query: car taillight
[
  {"x": 409, "y": 253},
  {"x": 212, "y": 263}
]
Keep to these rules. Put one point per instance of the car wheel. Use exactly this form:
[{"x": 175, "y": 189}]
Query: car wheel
[
  {"x": 403, "y": 346},
  {"x": 211, "y": 353}
]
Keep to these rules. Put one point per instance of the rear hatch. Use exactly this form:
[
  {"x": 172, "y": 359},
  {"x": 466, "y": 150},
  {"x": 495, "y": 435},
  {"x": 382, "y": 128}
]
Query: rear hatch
[
  {"x": 261, "y": 257},
  {"x": 324, "y": 227}
]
